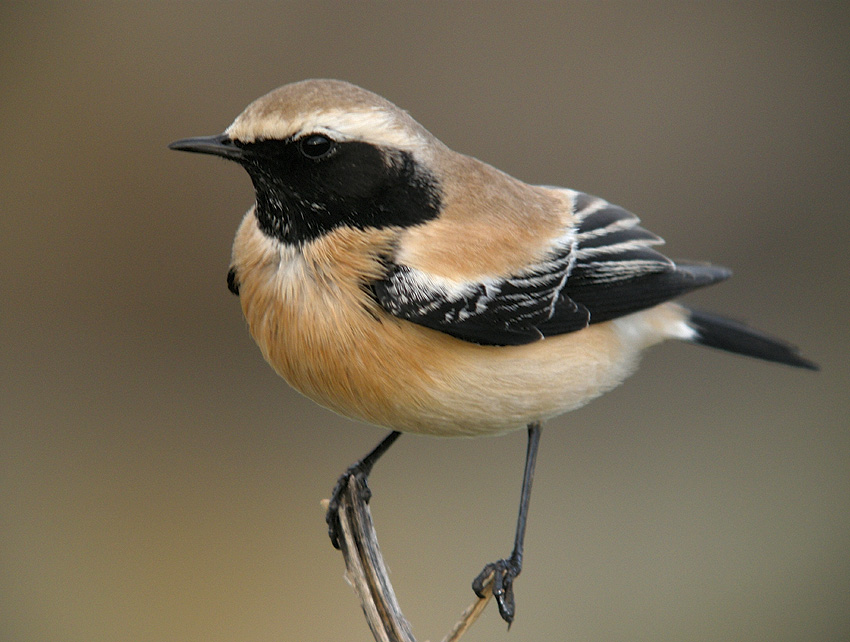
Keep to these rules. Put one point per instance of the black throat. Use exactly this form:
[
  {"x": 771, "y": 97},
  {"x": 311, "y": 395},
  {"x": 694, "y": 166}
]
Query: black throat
[{"x": 359, "y": 185}]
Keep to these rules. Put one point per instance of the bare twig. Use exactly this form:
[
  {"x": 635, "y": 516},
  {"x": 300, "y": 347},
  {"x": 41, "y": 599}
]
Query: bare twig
[
  {"x": 368, "y": 575},
  {"x": 470, "y": 614}
]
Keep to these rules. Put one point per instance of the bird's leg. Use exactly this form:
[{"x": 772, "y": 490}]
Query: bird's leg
[
  {"x": 361, "y": 470},
  {"x": 504, "y": 571}
]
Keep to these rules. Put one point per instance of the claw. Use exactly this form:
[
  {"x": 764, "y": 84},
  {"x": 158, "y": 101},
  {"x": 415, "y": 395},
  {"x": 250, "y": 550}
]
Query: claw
[
  {"x": 360, "y": 471},
  {"x": 503, "y": 573},
  {"x": 332, "y": 514}
]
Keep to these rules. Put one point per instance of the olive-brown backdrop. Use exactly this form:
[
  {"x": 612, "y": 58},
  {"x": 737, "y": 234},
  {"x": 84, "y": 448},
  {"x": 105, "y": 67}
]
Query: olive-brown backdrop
[{"x": 158, "y": 482}]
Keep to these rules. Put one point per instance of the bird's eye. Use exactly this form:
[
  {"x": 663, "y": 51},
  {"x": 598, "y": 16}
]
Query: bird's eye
[{"x": 316, "y": 146}]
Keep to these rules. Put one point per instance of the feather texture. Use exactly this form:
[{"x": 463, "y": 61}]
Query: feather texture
[{"x": 601, "y": 267}]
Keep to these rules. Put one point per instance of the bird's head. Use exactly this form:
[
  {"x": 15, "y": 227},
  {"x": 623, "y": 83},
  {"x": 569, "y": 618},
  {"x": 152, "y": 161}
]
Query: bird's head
[{"x": 325, "y": 153}]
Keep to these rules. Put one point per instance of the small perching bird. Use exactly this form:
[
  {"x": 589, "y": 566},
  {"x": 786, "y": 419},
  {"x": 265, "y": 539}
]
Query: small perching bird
[{"x": 403, "y": 284}]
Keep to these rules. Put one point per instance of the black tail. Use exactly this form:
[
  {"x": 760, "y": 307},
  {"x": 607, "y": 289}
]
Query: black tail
[{"x": 725, "y": 334}]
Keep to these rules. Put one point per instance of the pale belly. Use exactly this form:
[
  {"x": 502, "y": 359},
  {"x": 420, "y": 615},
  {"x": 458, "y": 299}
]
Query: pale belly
[
  {"x": 329, "y": 340},
  {"x": 406, "y": 377}
]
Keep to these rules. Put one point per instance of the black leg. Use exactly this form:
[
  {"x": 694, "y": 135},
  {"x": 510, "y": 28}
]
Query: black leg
[
  {"x": 360, "y": 469},
  {"x": 504, "y": 571}
]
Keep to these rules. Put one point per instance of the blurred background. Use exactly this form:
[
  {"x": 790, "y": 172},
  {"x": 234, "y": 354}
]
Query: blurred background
[{"x": 159, "y": 482}]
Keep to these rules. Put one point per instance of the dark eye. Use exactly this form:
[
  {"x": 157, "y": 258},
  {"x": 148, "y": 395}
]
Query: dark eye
[{"x": 316, "y": 146}]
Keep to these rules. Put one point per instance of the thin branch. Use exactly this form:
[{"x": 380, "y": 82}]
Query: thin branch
[
  {"x": 470, "y": 614},
  {"x": 366, "y": 572}
]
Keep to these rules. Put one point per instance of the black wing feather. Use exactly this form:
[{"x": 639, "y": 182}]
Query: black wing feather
[
  {"x": 606, "y": 268},
  {"x": 478, "y": 314}
]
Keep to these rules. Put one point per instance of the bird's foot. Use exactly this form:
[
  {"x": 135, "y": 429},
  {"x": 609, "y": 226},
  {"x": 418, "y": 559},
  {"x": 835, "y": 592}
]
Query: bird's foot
[
  {"x": 503, "y": 572},
  {"x": 359, "y": 471},
  {"x": 332, "y": 514}
]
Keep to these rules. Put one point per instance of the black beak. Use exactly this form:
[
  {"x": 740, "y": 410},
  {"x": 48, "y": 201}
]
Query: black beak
[{"x": 219, "y": 145}]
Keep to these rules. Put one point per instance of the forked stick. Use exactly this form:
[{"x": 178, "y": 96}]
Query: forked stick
[{"x": 366, "y": 572}]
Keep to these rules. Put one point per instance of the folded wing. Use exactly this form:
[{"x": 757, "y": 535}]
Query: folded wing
[{"x": 602, "y": 268}]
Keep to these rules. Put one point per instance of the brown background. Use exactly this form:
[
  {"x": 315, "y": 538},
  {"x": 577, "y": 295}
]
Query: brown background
[{"x": 158, "y": 482}]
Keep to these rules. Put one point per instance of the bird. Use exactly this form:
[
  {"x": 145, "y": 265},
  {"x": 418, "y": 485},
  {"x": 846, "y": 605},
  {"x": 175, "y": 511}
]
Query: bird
[{"x": 403, "y": 284}]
